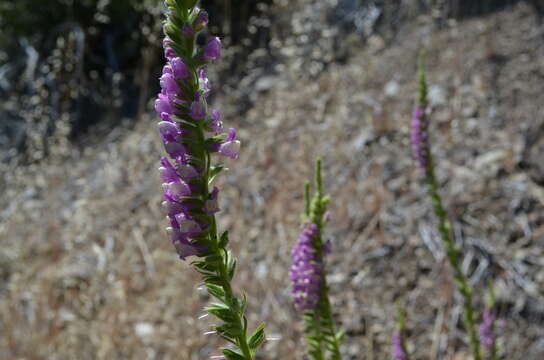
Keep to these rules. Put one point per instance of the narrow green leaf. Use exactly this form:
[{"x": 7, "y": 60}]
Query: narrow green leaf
[
  {"x": 233, "y": 355},
  {"x": 224, "y": 240},
  {"x": 216, "y": 291},
  {"x": 231, "y": 268},
  {"x": 257, "y": 338},
  {"x": 214, "y": 171}
]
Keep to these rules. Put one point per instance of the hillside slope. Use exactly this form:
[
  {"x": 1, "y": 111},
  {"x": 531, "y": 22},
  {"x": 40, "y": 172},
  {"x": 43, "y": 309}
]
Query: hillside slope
[{"x": 88, "y": 273}]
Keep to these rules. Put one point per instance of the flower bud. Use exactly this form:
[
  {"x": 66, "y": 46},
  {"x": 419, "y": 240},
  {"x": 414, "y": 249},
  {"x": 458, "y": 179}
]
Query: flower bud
[{"x": 212, "y": 50}]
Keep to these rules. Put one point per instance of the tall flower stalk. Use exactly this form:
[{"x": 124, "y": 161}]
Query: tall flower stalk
[
  {"x": 488, "y": 327},
  {"x": 424, "y": 159},
  {"x": 308, "y": 275},
  {"x": 398, "y": 340},
  {"x": 192, "y": 135}
]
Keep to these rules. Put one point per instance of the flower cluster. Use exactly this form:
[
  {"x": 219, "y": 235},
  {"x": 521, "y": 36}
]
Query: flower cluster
[
  {"x": 190, "y": 133},
  {"x": 419, "y": 137},
  {"x": 306, "y": 270},
  {"x": 487, "y": 327},
  {"x": 398, "y": 346}
]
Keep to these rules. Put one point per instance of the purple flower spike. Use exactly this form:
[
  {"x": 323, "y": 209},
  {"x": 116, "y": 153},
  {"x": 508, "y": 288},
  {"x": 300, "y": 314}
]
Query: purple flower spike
[
  {"x": 169, "y": 84},
  {"x": 197, "y": 110},
  {"x": 212, "y": 50},
  {"x": 181, "y": 104},
  {"x": 180, "y": 69},
  {"x": 487, "y": 335},
  {"x": 419, "y": 137},
  {"x": 169, "y": 131},
  {"x": 306, "y": 272},
  {"x": 398, "y": 348},
  {"x": 231, "y": 146}
]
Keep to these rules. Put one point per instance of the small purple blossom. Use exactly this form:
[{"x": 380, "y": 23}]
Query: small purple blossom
[
  {"x": 204, "y": 82},
  {"x": 187, "y": 31},
  {"x": 187, "y": 226},
  {"x": 419, "y": 137},
  {"x": 175, "y": 149},
  {"x": 216, "y": 124},
  {"x": 231, "y": 146},
  {"x": 178, "y": 190},
  {"x": 487, "y": 327},
  {"x": 169, "y": 84},
  {"x": 398, "y": 347},
  {"x": 169, "y": 131},
  {"x": 212, "y": 50},
  {"x": 306, "y": 270},
  {"x": 169, "y": 52},
  {"x": 187, "y": 172},
  {"x": 179, "y": 68},
  {"x": 167, "y": 172},
  {"x": 166, "y": 117},
  {"x": 167, "y": 69},
  {"x": 197, "y": 110},
  {"x": 201, "y": 20},
  {"x": 163, "y": 105},
  {"x": 184, "y": 247}
]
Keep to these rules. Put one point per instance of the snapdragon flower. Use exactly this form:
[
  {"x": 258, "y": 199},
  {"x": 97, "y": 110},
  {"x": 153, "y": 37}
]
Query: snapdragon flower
[{"x": 192, "y": 136}]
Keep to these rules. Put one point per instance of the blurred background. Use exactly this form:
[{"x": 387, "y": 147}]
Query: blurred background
[{"x": 86, "y": 269}]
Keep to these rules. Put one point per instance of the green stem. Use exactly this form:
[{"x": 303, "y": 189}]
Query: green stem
[
  {"x": 327, "y": 314},
  {"x": 232, "y": 301},
  {"x": 313, "y": 332},
  {"x": 317, "y": 215},
  {"x": 453, "y": 254}
]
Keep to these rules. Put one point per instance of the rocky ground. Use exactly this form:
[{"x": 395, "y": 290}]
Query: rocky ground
[{"x": 88, "y": 273}]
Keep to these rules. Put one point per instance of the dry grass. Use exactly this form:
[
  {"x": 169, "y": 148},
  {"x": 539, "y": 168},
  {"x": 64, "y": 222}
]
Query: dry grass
[{"x": 87, "y": 272}]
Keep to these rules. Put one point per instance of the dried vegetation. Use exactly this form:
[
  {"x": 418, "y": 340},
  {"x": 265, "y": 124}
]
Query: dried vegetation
[{"x": 87, "y": 271}]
